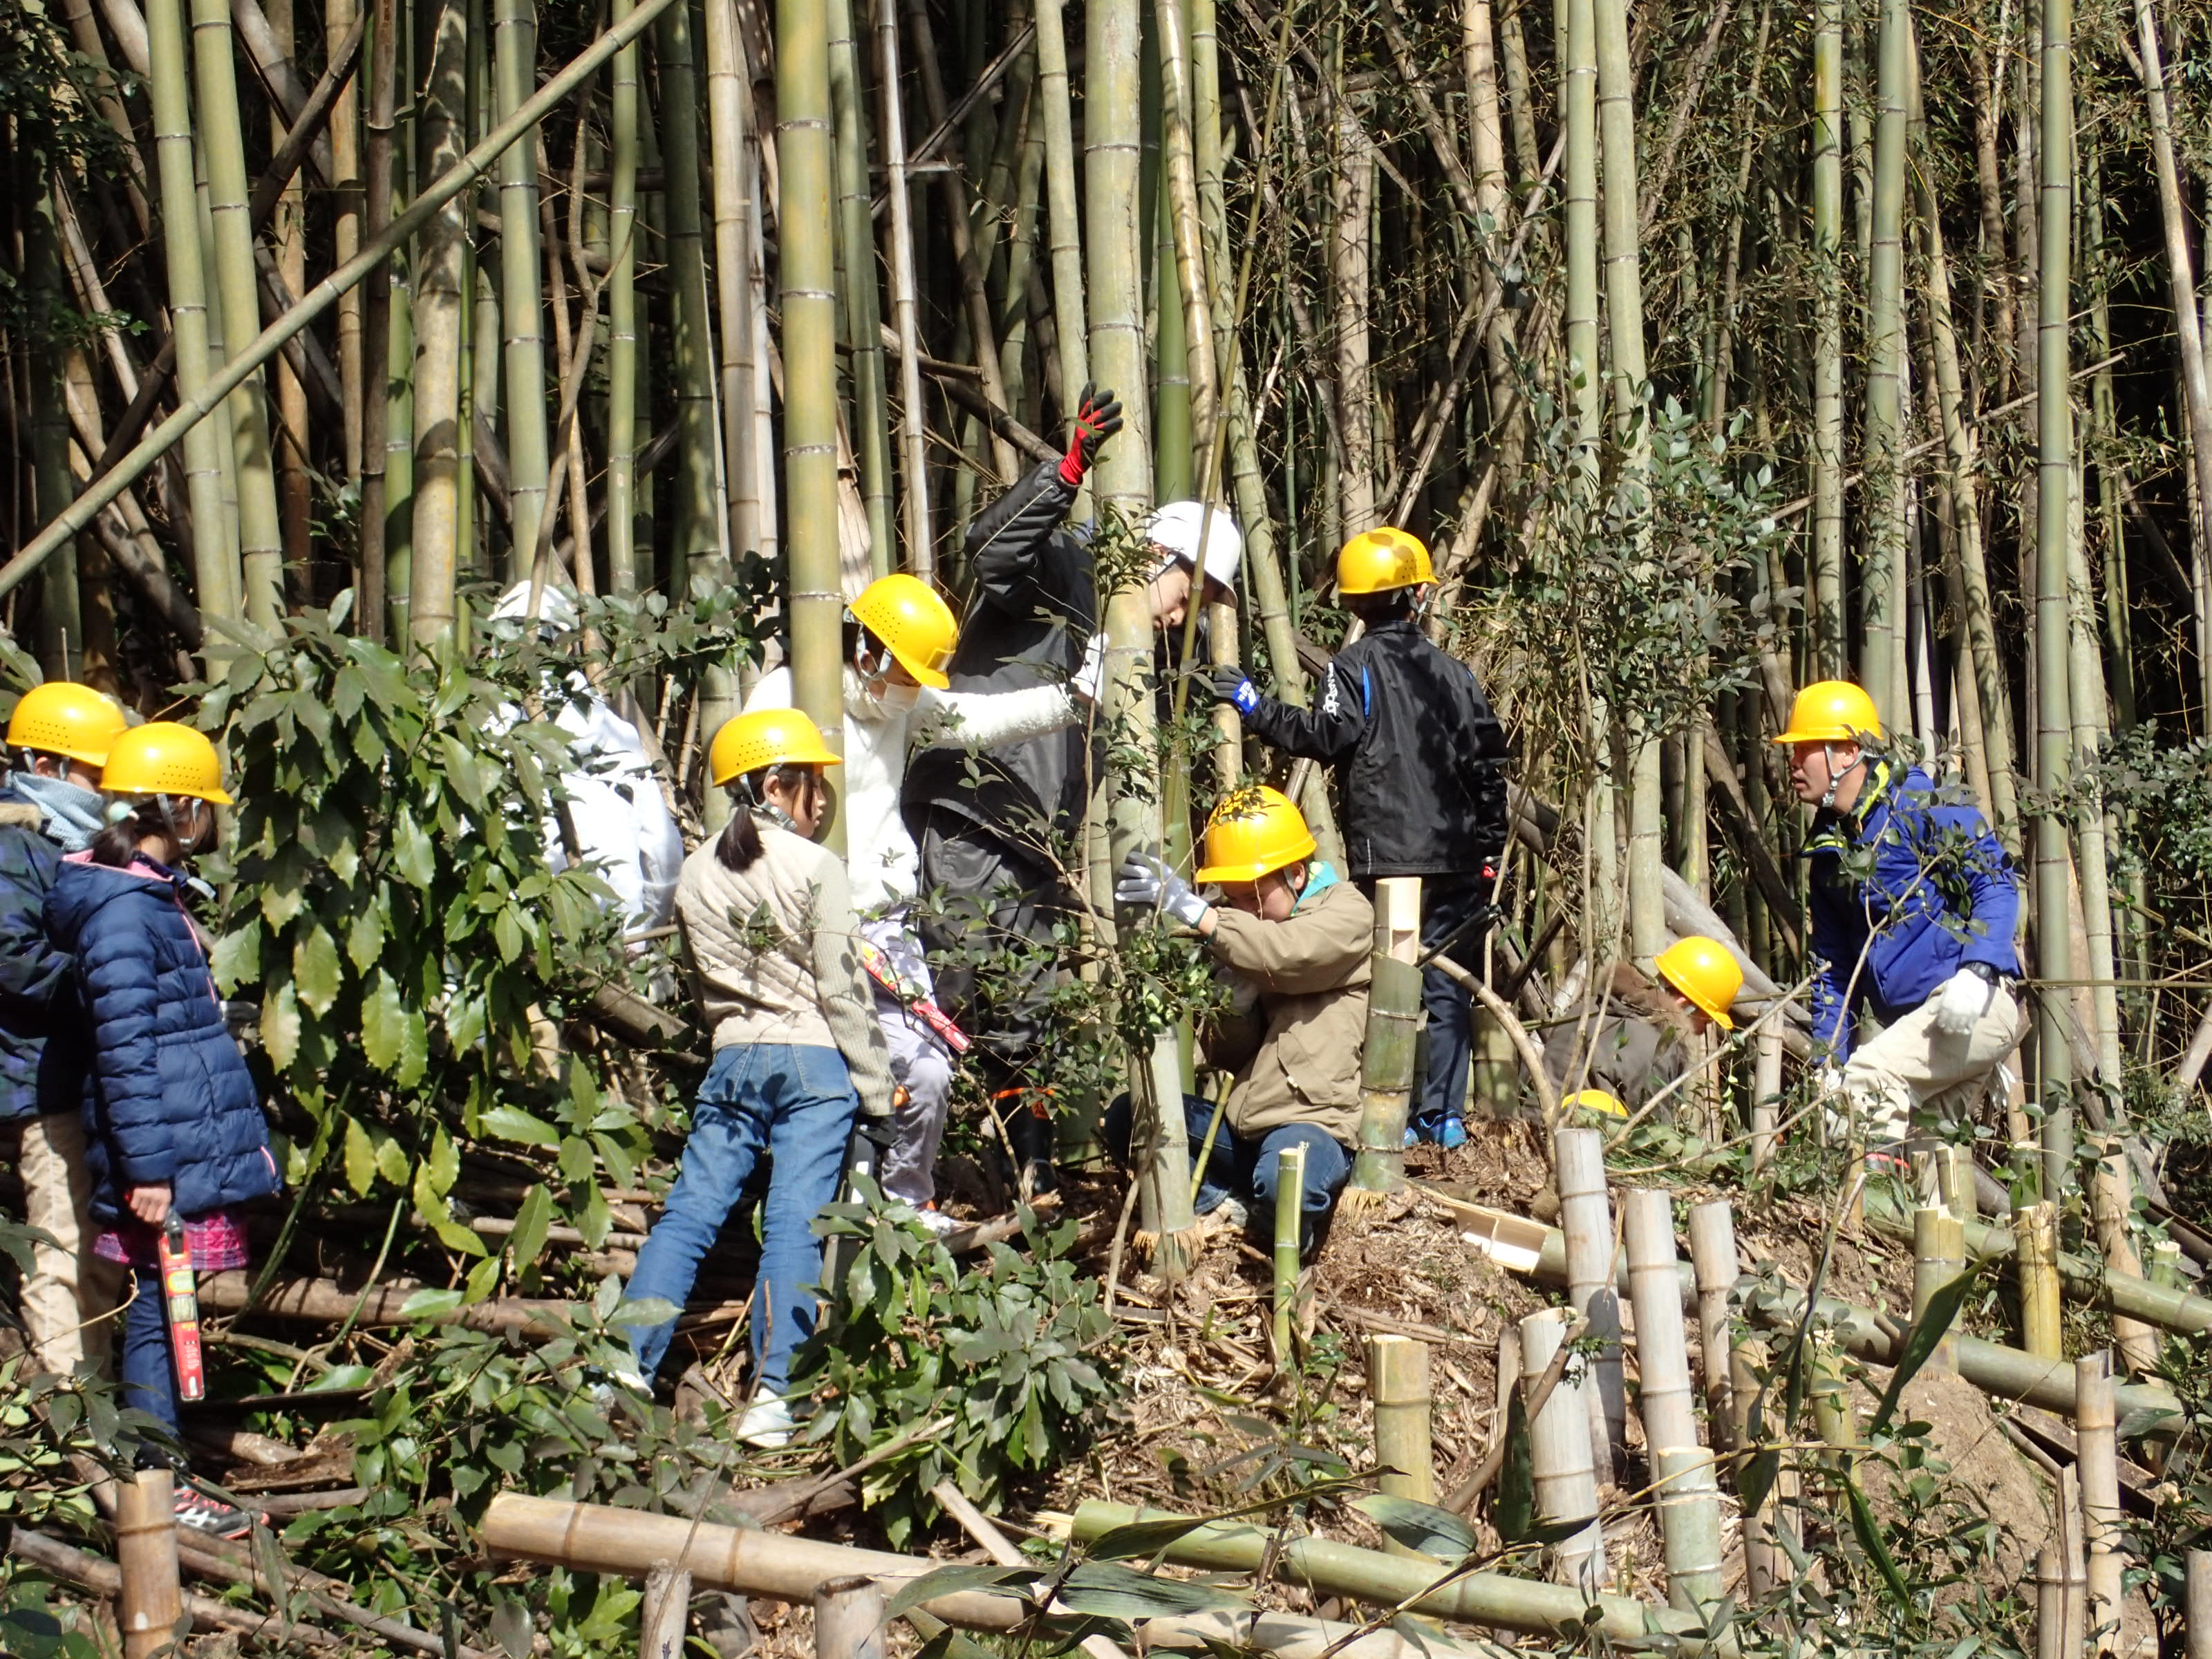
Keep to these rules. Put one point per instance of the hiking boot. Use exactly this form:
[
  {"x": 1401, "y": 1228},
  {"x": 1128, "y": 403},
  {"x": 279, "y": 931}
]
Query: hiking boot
[{"x": 209, "y": 1516}]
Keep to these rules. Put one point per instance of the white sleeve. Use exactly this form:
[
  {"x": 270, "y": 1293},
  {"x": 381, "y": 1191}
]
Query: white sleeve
[
  {"x": 984, "y": 719},
  {"x": 659, "y": 853}
]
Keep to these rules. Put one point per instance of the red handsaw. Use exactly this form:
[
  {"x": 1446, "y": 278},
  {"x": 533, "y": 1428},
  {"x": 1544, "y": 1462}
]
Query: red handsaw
[
  {"x": 181, "y": 1294},
  {"x": 880, "y": 970}
]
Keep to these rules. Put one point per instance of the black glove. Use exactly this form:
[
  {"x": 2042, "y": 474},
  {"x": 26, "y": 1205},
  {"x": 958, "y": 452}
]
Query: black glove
[
  {"x": 1098, "y": 418},
  {"x": 1226, "y": 683}
]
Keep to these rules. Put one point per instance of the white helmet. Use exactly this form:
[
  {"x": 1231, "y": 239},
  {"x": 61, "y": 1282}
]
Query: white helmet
[
  {"x": 1179, "y": 527},
  {"x": 557, "y": 607}
]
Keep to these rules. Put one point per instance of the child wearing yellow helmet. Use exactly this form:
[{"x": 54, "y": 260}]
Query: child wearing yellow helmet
[{"x": 1631, "y": 1041}]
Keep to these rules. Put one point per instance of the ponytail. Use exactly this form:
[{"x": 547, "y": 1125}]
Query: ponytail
[
  {"x": 117, "y": 844},
  {"x": 739, "y": 843}
]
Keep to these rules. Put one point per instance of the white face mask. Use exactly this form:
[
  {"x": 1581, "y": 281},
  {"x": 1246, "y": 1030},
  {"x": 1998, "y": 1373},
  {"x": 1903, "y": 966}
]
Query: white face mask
[{"x": 898, "y": 699}]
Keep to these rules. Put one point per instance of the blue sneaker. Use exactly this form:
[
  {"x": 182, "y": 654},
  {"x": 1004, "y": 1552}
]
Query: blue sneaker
[
  {"x": 1452, "y": 1135},
  {"x": 1449, "y": 1133}
]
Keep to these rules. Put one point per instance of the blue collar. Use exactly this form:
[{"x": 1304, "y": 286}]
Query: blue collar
[{"x": 1320, "y": 877}]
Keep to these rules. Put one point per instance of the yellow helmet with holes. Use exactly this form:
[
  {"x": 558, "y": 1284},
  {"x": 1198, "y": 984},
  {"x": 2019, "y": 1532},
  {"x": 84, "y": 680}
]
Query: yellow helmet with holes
[
  {"x": 1833, "y": 711},
  {"x": 1594, "y": 1100},
  {"x": 1254, "y": 831},
  {"x": 915, "y": 625},
  {"x": 1376, "y": 561},
  {"x": 164, "y": 758},
  {"x": 767, "y": 737},
  {"x": 59, "y": 718},
  {"x": 1703, "y": 970}
]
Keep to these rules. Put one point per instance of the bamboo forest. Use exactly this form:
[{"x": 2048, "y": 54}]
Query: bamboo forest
[{"x": 1267, "y": 827}]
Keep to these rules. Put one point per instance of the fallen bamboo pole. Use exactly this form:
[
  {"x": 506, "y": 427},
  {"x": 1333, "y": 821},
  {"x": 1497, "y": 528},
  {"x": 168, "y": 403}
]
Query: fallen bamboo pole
[
  {"x": 71, "y": 1565},
  {"x": 1561, "y": 1454},
  {"x": 1001, "y": 1549},
  {"x": 1332, "y": 1569},
  {"x": 232, "y": 1564},
  {"x": 749, "y": 1562}
]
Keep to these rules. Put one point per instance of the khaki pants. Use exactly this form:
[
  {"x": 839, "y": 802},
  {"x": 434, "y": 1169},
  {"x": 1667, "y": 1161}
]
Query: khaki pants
[
  {"x": 1911, "y": 1070},
  {"x": 69, "y": 1291}
]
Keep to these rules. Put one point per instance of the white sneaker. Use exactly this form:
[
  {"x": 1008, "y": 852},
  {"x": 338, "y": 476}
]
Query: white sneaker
[
  {"x": 939, "y": 1223},
  {"x": 767, "y": 1423},
  {"x": 608, "y": 1391}
]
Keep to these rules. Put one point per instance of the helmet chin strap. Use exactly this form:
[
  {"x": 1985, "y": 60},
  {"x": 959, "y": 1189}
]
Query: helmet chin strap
[
  {"x": 1835, "y": 778},
  {"x": 759, "y": 803}
]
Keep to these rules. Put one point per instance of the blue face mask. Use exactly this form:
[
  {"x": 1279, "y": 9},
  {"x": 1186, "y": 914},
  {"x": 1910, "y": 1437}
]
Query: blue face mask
[{"x": 69, "y": 814}]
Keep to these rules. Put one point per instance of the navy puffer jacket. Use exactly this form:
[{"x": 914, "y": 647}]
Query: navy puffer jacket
[
  {"x": 168, "y": 1097},
  {"x": 39, "y": 1066}
]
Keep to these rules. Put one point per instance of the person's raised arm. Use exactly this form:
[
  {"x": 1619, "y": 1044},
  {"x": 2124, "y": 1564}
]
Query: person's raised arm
[{"x": 1328, "y": 731}]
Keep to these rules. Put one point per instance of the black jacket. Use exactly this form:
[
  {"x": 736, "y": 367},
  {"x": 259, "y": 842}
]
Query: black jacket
[
  {"x": 1033, "y": 609},
  {"x": 1420, "y": 759}
]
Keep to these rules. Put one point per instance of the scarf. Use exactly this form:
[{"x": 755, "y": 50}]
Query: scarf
[{"x": 69, "y": 814}]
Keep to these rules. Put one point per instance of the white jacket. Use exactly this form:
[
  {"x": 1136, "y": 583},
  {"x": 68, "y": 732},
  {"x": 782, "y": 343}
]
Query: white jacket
[
  {"x": 623, "y": 829},
  {"x": 880, "y": 856}
]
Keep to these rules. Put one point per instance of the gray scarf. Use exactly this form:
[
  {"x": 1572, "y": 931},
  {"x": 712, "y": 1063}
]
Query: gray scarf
[{"x": 69, "y": 814}]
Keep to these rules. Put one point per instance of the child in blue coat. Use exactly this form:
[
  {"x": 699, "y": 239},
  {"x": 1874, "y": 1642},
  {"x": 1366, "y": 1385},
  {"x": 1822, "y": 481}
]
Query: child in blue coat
[{"x": 171, "y": 1118}]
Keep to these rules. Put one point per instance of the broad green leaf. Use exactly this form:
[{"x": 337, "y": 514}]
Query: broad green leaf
[
  {"x": 391, "y": 1160},
  {"x": 440, "y": 1216},
  {"x": 342, "y": 1376},
  {"x": 1921, "y": 1341},
  {"x": 530, "y": 1221},
  {"x": 280, "y": 1027},
  {"x": 1869, "y": 1532},
  {"x": 413, "y": 1048},
  {"x": 445, "y": 1162},
  {"x": 237, "y": 956},
  {"x": 430, "y": 1302},
  {"x": 1422, "y": 1527},
  {"x": 315, "y": 969},
  {"x": 483, "y": 1280},
  {"x": 413, "y": 855},
  {"x": 513, "y": 1123},
  {"x": 360, "y": 1157},
  {"x": 365, "y": 939},
  {"x": 381, "y": 1019},
  {"x": 1011, "y": 1581}
]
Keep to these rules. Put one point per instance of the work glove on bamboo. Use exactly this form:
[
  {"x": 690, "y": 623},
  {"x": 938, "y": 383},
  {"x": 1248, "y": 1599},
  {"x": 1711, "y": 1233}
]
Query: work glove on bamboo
[
  {"x": 1964, "y": 997},
  {"x": 1145, "y": 880},
  {"x": 1098, "y": 418},
  {"x": 1227, "y": 683},
  {"x": 1088, "y": 681}
]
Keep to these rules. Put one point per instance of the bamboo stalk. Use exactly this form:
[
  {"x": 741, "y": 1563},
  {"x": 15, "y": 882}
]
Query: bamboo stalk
[
  {"x": 914, "y": 446},
  {"x": 1562, "y": 1451},
  {"x": 1713, "y": 1261},
  {"x": 376, "y": 317},
  {"x": 2054, "y": 488},
  {"x": 700, "y": 528},
  {"x": 529, "y": 455},
  {"x": 729, "y": 121},
  {"x": 289, "y": 230},
  {"x": 61, "y": 642},
  {"x": 1289, "y": 1224},
  {"x": 1882, "y": 669},
  {"x": 1388, "y": 1057},
  {"x": 1826, "y": 558},
  {"x": 667, "y": 1610},
  {"x": 2050, "y": 1605},
  {"x": 145, "y": 1518},
  {"x": 1586, "y": 1220},
  {"x": 2035, "y": 1259},
  {"x": 1066, "y": 231},
  {"x": 1939, "y": 1255},
  {"x": 2097, "y": 1463},
  {"x": 1398, "y": 1384},
  {"x": 1352, "y": 186},
  {"x": 848, "y": 1619},
  {"x": 1178, "y": 150},
  {"x": 440, "y": 294},
  {"x": 1766, "y": 1095},
  {"x": 856, "y": 245},
  {"x": 2111, "y": 1205},
  {"x": 2196, "y": 1606},
  {"x": 625, "y": 572}
]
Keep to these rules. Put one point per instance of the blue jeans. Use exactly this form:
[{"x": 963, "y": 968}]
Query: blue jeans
[
  {"x": 1244, "y": 1167},
  {"x": 795, "y": 1104},
  {"x": 1446, "y": 901},
  {"x": 149, "y": 1382}
]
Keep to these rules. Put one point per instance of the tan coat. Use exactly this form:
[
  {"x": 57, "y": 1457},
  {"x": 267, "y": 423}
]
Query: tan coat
[
  {"x": 773, "y": 956},
  {"x": 1311, "y": 972}
]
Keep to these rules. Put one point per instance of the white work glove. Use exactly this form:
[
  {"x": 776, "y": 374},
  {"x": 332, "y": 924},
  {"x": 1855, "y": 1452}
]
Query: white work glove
[
  {"x": 1088, "y": 680},
  {"x": 1964, "y": 997},
  {"x": 1145, "y": 879}
]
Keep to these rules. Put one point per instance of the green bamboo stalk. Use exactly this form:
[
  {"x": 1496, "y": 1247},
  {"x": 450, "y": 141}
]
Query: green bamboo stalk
[
  {"x": 2103, "y": 437},
  {"x": 522, "y": 310},
  {"x": 226, "y": 452},
  {"x": 60, "y": 640},
  {"x": 856, "y": 243},
  {"x": 730, "y": 122},
  {"x": 2054, "y": 485},
  {"x": 1066, "y": 230},
  {"x": 627, "y": 570},
  {"x": 1579, "y": 95},
  {"x": 261, "y": 536},
  {"x": 216, "y": 580},
  {"x": 439, "y": 298},
  {"x": 398, "y": 404},
  {"x": 1113, "y": 138},
  {"x": 913, "y": 447},
  {"x": 1171, "y": 405},
  {"x": 699, "y": 526},
  {"x": 806, "y": 148},
  {"x": 1882, "y": 566},
  {"x": 382, "y": 52},
  {"x": 1021, "y": 260},
  {"x": 1180, "y": 196},
  {"x": 1826, "y": 559},
  {"x": 2085, "y": 709},
  {"x": 1290, "y": 1221}
]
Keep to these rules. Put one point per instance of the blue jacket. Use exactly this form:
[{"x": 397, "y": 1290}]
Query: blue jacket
[
  {"x": 40, "y": 1066},
  {"x": 167, "y": 1097},
  {"x": 1941, "y": 892}
]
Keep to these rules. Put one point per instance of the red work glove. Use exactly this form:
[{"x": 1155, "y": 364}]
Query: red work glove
[{"x": 1098, "y": 418}]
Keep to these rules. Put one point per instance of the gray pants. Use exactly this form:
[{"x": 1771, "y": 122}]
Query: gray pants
[{"x": 919, "y": 1064}]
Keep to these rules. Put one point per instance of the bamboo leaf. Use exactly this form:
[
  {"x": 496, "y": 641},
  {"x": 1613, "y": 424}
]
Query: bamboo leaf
[
  {"x": 1868, "y": 1530},
  {"x": 1422, "y": 1527},
  {"x": 953, "y": 1581},
  {"x": 1921, "y": 1341},
  {"x": 1110, "y": 1590}
]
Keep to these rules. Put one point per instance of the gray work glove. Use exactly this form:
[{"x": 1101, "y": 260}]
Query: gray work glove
[
  {"x": 1145, "y": 880},
  {"x": 1964, "y": 997}
]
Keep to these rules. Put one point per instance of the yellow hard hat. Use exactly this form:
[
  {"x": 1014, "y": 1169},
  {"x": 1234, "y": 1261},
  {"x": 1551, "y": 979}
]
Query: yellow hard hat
[
  {"x": 58, "y": 718},
  {"x": 1376, "y": 561},
  {"x": 1703, "y": 970},
  {"x": 164, "y": 758},
  {"x": 1594, "y": 1100},
  {"x": 1252, "y": 832},
  {"x": 766, "y": 736},
  {"x": 1833, "y": 711},
  {"x": 914, "y": 625}
]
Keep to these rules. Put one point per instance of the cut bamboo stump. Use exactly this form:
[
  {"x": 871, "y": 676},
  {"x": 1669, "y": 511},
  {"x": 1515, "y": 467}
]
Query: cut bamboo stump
[
  {"x": 1712, "y": 1259},
  {"x": 153, "y": 1599},
  {"x": 1681, "y": 1469},
  {"x": 1766, "y": 1095},
  {"x": 2196, "y": 1604},
  {"x": 1586, "y": 1218},
  {"x": 1290, "y": 1220},
  {"x": 1832, "y": 1394},
  {"x": 1561, "y": 1453},
  {"x": 1387, "y": 1064},
  {"x": 1398, "y": 1384},
  {"x": 848, "y": 1620},
  {"x": 2050, "y": 1606},
  {"x": 666, "y": 1612},
  {"x": 1766, "y": 1563},
  {"x": 2097, "y": 1461},
  {"x": 1939, "y": 1255},
  {"x": 2035, "y": 1257}
]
